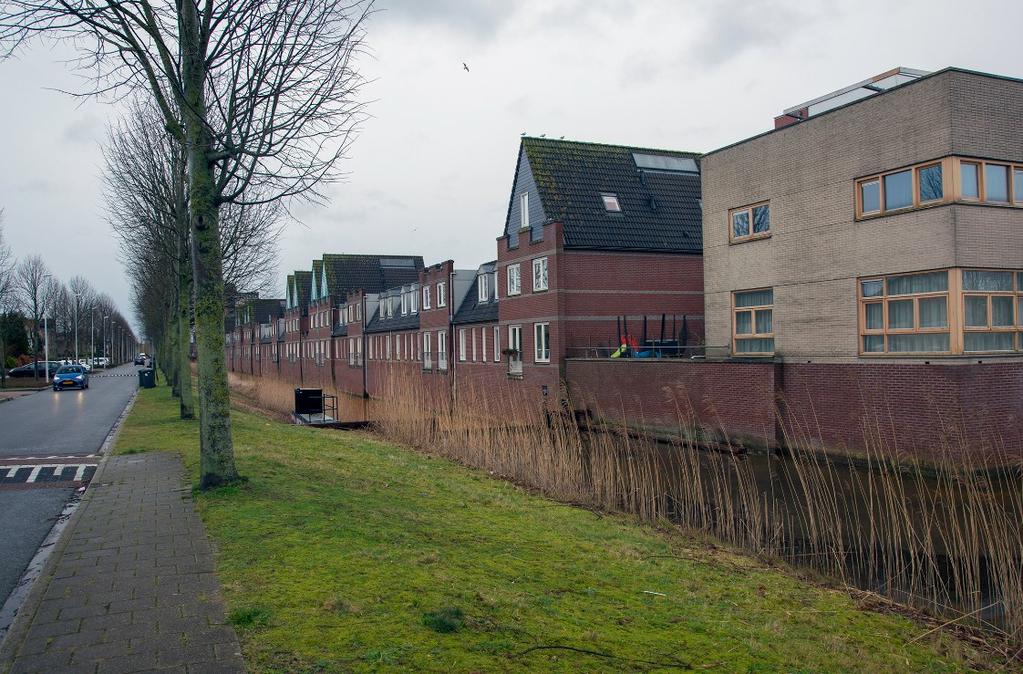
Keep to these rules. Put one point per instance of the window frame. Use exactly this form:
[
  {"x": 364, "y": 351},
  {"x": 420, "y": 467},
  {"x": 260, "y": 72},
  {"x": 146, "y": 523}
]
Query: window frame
[
  {"x": 426, "y": 297},
  {"x": 442, "y": 294},
  {"x": 953, "y": 315},
  {"x": 541, "y": 262},
  {"x": 545, "y": 326},
  {"x": 518, "y": 279},
  {"x": 753, "y": 323},
  {"x": 497, "y": 344},
  {"x": 524, "y": 210},
  {"x": 461, "y": 345},
  {"x": 1015, "y": 327},
  {"x": 482, "y": 288},
  {"x": 732, "y": 238},
  {"x": 442, "y": 350},
  {"x": 611, "y": 202},
  {"x": 951, "y": 182}
]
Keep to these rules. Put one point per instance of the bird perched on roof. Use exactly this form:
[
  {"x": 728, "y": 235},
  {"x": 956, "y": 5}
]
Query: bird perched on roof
[{"x": 465, "y": 66}]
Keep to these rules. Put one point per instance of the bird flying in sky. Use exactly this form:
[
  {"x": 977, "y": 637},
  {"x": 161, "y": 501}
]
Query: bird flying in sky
[{"x": 465, "y": 66}]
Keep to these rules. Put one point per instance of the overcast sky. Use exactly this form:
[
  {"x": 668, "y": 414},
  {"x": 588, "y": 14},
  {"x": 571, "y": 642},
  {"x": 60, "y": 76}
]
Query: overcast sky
[{"x": 432, "y": 169}]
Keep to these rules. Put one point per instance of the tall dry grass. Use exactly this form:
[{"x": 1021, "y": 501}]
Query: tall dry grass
[{"x": 946, "y": 537}]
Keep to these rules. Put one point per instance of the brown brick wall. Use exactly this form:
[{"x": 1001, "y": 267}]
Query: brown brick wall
[
  {"x": 720, "y": 398},
  {"x": 901, "y": 409}
]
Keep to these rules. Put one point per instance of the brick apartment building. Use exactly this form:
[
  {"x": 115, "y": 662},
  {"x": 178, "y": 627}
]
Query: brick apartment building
[
  {"x": 856, "y": 271},
  {"x": 598, "y": 239},
  {"x": 868, "y": 252}
]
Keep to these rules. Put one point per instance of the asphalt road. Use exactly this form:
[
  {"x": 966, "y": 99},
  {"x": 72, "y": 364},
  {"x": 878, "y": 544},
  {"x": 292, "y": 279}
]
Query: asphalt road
[
  {"x": 66, "y": 423},
  {"x": 47, "y": 424}
]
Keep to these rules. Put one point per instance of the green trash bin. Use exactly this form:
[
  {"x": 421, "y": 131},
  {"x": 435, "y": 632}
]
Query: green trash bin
[{"x": 147, "y": 378}]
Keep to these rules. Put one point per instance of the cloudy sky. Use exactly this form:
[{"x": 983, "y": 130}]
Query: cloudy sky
[{"x": 431, "y": 171}]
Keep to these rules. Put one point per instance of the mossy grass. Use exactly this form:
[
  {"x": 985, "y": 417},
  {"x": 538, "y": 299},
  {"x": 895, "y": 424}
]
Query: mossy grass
[{"x": 345, "y": 553}]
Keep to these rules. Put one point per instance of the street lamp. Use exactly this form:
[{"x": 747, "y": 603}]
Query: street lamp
[{"x": 77, "y": 295}]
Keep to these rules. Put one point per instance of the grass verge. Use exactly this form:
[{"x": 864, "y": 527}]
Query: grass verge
[{"x": 346, "y": 553}]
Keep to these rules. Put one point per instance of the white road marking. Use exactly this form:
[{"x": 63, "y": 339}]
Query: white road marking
[{"x": 58, "y": 469}]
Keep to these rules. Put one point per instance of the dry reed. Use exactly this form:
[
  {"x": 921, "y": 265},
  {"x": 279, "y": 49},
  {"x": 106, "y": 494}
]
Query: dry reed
[{"x": 947, "y": 541}]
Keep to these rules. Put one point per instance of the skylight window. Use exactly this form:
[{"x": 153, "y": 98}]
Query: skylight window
[
  {"x": 660, "y": 162},
  {"x": 611, "y": 204}
]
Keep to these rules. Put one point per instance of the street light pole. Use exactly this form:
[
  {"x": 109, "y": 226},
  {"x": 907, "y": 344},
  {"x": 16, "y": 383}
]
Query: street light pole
[
  {"x": 46, "y": 353},
  {"x": 92, "y": 336},
  {"x": 77, "y": 295}
]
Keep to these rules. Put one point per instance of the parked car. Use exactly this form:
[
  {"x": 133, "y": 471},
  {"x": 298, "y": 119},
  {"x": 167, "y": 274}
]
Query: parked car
[
  {"x": 26, "y": 370},
  {"x": 70, "y": 376},
  {"x": 140, "y": 359},
  {"x": 101, "y": 361}
]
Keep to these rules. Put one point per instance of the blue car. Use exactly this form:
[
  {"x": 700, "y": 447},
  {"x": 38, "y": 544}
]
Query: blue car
[{"x": 71, "y": 376}]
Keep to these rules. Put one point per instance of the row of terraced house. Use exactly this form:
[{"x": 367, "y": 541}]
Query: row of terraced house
[{"x": 855, "y": 271}]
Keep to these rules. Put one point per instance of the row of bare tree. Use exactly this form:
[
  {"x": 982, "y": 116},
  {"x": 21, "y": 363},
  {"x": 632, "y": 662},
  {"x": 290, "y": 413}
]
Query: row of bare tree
[
  {"x": 246, "y": 103},
  {"x": 79, "y": 320}
]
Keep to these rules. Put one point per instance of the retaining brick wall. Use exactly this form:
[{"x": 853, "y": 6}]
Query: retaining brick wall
[
  {"x": 902, "y": 409},
  {"x": 732, "y": 399}
]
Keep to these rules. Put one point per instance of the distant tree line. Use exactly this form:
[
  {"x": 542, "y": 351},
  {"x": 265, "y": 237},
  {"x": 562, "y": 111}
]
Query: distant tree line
[{"x": 38, "y": 310}]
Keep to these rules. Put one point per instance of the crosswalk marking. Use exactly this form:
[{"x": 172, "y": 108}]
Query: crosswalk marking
[{"x": 60, "y": 473}]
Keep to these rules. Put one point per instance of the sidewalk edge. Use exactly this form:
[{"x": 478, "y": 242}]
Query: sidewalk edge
[{"x": 11, "y": 642}]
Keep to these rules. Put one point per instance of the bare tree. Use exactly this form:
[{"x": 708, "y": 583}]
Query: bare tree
[
  {"x": 8, "y": 295},
  {"x": 258, "y": 93},
  {"x": 30, "y": 281},
  {"x": 147, "y": 207}
]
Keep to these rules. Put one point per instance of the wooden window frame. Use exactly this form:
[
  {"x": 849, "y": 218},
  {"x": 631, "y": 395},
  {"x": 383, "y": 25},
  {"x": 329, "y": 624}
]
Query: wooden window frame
[
  {"x": 442, "y": 294},
  {"x": 949, "y": 184},
  {"x": 732, "y": 238},
  {"x": 1016, "y": 297},
  {"x": 753, "y": 324}
]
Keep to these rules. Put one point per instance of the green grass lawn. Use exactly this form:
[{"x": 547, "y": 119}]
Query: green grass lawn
[{"x": 343, "y": 552}]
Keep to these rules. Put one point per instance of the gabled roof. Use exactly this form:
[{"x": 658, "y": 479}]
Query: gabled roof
[
  {"x": 314, "y": 278},
  {"x": 372, "y": 273},
  {"x": 660, "y": 202},
  {"x": 267, "y": 310},
  {"x": 471, "y": 310},
  {"x": 303, "y": 284}
]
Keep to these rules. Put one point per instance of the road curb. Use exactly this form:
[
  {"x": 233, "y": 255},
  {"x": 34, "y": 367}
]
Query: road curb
[{"x": 23, "y": 605}]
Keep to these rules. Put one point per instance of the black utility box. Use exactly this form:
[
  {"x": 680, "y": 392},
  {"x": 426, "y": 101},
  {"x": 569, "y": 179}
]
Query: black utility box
[{"x": 309, "y": 401}]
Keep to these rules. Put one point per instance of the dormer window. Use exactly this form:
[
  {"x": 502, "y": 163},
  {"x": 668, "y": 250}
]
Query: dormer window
[
  {"x": 482, "y": 286},
  {"x": 611, "y": 204}
]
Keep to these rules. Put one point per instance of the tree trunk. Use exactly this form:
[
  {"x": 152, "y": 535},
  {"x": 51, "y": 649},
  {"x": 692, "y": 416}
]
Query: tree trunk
[
  {"x": 182, "y": 326},
  {"x": 216, "y": 461}
]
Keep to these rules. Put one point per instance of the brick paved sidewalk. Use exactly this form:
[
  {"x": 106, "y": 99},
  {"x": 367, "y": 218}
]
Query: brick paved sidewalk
[{"x": 132, "y": 587}]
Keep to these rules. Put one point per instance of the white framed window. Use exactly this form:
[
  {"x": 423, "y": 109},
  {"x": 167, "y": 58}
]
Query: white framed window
[
  {"x": 542, "y": 342},
  {"x": 427, "y": 364},
  {"x": 514, "y": 279},
  {"x": 515, "y": 345},
  {"x": 404, "y": 304},
  {"x": 497, "y": 344},
  {"x": 483, "y": 344},
  {"x": 387, "y": 342},
  {"x": 473, "y": 334},
  {"x": 442, "y": 294},
  {"x": 540, "y": 274},
  {"x": 524, "y": 209},
  {"x": 483, "y": 291},
  {"x": 461, "y": 345},
  {"x": 426, "y": 298},
  {"x": 611, "y": 204},
  {"x": 413, "y": 296},
  {"x": 442, "y": 350}
]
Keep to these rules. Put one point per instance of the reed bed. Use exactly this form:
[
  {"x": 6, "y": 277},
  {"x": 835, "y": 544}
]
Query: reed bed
[{"x": 945, "y": 538}]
